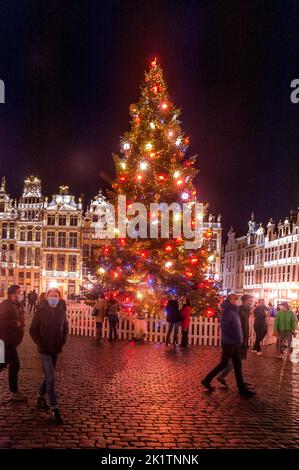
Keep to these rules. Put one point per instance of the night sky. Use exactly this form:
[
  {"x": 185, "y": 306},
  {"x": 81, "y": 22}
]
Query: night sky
[{"x": 72, "y": 68}]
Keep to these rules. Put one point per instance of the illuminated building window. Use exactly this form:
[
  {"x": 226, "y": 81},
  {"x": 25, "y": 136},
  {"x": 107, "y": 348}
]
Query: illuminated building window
[
  {"x": 37, "y": 257},
  {"x": 50, "y": 262},
  {"x": 72, "y": 263},
  {"x": 60, "y": 262},
  {"x": 51, "y": 220},
  {"x": 73, "y": 240},
  {"x": 62, "y": 220},
  {"x": 62, "y": 239},
  {"x": 50, "y": 239},
  {"x": 73, "y": 221}
]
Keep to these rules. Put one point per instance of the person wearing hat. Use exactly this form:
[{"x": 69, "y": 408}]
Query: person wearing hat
[
  {"x": 284, "y": 327},
  {"x": 11, "y": 333}
]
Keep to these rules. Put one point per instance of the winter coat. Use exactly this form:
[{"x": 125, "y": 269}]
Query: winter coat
[
  {"x": 231, "y": 331},
  {"x": 185, "y": 313},
  {"x": 100, "y": 309},
  {"x": 285, "y": 321},
  {"x": 260, "y": 318},
  {"x": 173, "y": 311},
  {"x": 49, "y": 328},
  {"x": 11, "y": 322},
  {"x": 244, "y": 317}
]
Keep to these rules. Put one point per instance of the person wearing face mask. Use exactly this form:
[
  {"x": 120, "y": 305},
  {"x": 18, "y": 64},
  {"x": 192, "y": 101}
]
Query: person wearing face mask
[
  {"x": 11, "y": 333},
  {"x": 49, "y": 329}
]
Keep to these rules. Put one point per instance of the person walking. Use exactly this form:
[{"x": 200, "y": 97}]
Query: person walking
[
  {"x": 185, "y": 315},
  {"x": 259, "y": 325},
  {"x": 11, "y": 333},
  {"x": 173, "y": 318},
  {"x": 49, "y": 330},
  {"x": 231, "y": 340},
  {"x": 99, "y": 312},
  {"x": 272, "y": 310},
  {"x": 34, "y": 298},
  {"x": 42, "y": 298},
  {"x": 244, "y": 312},
  {"x": 284, "y": 328},
  {"x": 113, "y": 318}
]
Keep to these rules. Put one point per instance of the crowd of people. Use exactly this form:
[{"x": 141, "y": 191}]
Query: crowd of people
[{"x": 49, "y": 330}]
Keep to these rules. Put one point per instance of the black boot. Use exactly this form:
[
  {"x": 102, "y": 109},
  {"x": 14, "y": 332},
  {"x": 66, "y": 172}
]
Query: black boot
[
  {"x": 56, "y": 416},
  {"x": 42, "y": 404}
]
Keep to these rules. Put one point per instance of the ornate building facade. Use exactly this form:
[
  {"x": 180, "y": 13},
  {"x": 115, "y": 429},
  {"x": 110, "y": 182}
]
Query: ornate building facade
[
  {"x": 265, "y": 261},
  {"x": 50, "y": 243}
]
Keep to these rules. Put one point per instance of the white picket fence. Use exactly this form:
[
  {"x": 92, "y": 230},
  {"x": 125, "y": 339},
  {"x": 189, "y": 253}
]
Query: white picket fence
[{"x": 202, "y": 331}]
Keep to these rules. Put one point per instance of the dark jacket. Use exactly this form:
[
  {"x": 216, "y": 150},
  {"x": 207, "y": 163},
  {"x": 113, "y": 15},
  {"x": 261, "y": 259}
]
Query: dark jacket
[
  {"x": 260, "y": 318},
  {"x": 244, "y": 317},
  {"x": 49, "y": 329},
  {"x": 173, "y": 311},
  {"x": 231, "y": 331},
  {"x": 11, "y": 313}
]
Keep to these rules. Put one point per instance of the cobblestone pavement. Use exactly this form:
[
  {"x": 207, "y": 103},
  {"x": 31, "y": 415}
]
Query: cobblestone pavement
[{"x": 126, "y": 395}]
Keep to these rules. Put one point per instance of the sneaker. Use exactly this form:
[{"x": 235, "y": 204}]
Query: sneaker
[
  {"x": 56, "y": 416},
  {"x": 42, "y": 404},
  {"x": 259, "y": 353},
  {"x": 208, "y": 385},
  {"x": 18, "y": 396},
  {"x": 246, "y": 392},
  {"x": 222, "y": 382}
]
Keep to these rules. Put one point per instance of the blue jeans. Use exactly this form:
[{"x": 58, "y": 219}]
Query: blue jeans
[
  {"x": 48, "y": 385},
  {"x": 171, "y": 326}
]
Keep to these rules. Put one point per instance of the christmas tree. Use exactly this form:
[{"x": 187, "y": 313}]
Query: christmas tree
[{"x": 154, "y": 168}]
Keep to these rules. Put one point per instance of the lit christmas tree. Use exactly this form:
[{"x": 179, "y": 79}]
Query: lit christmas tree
[{"x": 153, "y": 168}]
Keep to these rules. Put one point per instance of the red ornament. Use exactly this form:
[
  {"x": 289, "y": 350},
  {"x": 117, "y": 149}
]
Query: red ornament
[
  {"x": 164, "y": 105},
  {"x": 209, "y": 312},
  {"x": 122, "y": 178},
  {"x": 194, "y": 260},
  {"x": 106, "y": 250},
  {"x": 162, "y": 177},
  {"x": 122, "y": 241},
  {"x": 168, "y": 248}
]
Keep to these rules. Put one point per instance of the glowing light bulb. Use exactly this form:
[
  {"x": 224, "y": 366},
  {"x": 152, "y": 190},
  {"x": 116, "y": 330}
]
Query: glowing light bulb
[
  {"x": 102, "y": 271},
  {"x": 164, "y": 105},
  {"x": 178, "y": 141},
  {"x": 179, "y": 182},
  {"x": 170, "y": 133},
  {"x": 152, "y": 125},
  {"x": 176, "y": 174},
  {"x": 148, "y": 146},
  {"x": 139, "y": 294},
  {"x": 154, "y": 62},
  {"x": 177, "y": 217},
  {"x": 139, "y": 177},
  {"x": 123, "y": 165},
  {"x": 126, "y": 146},
  {"x": 168, "y": 264},
  {"x": 185, "y": 196},
  {"x": 143, "y": 165},
  {"x": 152, "y": 154}
]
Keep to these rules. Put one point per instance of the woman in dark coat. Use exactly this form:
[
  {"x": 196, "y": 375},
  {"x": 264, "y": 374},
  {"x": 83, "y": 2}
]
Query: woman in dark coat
[{"x": 49, "y": 331}]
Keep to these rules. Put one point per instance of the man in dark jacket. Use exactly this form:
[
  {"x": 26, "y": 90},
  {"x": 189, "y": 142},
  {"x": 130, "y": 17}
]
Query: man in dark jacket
[
  {"x": 11, "y": 333},
  {"x": 49, "y": 331},
  {"x": 173, "y": 318},
  {"x": 244, "y": 312},
  {"x": 260, "y": 325},
  {"x": 231, "y": 339}
]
